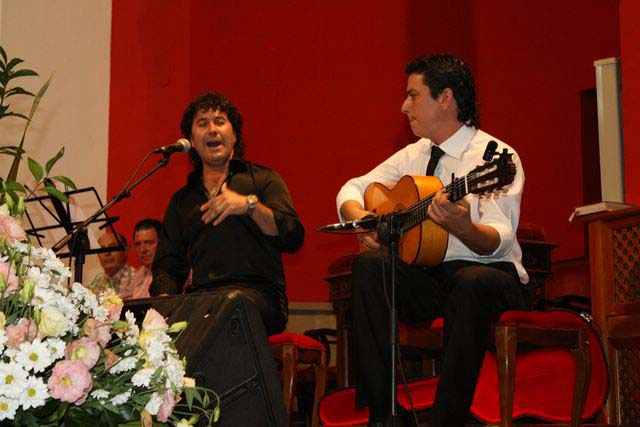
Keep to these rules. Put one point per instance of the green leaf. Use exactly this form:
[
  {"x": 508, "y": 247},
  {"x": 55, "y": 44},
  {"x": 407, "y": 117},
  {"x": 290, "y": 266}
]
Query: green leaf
[
  {"x": 216, "y": 414},
  {"x": 13, "y": 63},
  {"x": 13, "y": 172},
  {"x": 22, "y": 116},
  {"x": 78, "y": 418},
  {"x": 56, "y": 193},
  {"x": 14, "y": 186},
  {"x": 66, "y": 181},
  {"x": 9, "y": 200},
  {"x": 4, "y": 55},
  {"x": 188, "y": 393},
  {"x": 17, "y": 91},
  {"x": 22, "y": 73},
  {"x": 36, "y": 170},
  {"x": 52, "y": 161}
]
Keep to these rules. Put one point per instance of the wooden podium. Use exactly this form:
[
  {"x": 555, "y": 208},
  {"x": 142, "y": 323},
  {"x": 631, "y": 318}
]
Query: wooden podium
[{"x": 614, "y": 257}]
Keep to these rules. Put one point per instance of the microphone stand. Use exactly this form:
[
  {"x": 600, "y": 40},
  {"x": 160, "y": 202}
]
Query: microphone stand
[
  {"x": 78, "y": 236},
  {"x": 389, "y": 232}
]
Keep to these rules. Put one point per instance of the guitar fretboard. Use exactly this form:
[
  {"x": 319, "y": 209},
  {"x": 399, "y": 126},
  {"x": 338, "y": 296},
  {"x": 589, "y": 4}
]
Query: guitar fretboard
[{"x": 457, "y": 189}]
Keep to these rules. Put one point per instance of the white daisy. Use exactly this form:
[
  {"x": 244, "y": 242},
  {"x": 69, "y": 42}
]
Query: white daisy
[
  {"x": 56, "y": 266},
  {"x": 34, "y": 356},
  {"x": 7, "y": 408},
  {"x": 22, "y": 248},
  {"x": 121, "y": 398},
  {"x": 157, "y": 348},
  {"x": 100, "y": 313},
  {"x": 34, "y": 394},
  {"x": 56, "y": 348},
  {"x": 124, "y": 365},
  {"x": 10, "y": 353},
  {"x": 13, "y": 379},
  {"x": 100, "y": 394},
  {"x": 153, "y": 404},
  {"x": 142, "y": 378},
  {"x": 174, "y": 372}
]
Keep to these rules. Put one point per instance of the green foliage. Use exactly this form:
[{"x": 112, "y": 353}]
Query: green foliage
[{"x": 12, "y": 192}]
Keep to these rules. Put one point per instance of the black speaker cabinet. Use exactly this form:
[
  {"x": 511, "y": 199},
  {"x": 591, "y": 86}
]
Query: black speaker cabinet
[{"x": 227, "y": 350}]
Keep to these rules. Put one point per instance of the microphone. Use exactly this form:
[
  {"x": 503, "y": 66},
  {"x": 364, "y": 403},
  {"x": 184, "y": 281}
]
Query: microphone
[
  {"x": 182, "y": 145},
  {"x": 490, "y": 151},
  {"x": 368, "y": 222}
]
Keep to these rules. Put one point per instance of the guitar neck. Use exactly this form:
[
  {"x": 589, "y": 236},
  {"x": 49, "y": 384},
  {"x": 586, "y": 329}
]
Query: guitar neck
[{"x": 417, "y": 212}]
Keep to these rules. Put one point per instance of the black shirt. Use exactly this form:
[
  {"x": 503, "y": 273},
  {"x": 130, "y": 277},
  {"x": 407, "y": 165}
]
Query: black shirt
[{"x": 234, "y": 251}]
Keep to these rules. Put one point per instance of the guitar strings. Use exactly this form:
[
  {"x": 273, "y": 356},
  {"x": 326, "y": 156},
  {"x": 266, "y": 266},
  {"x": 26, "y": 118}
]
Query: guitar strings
[{"x": 418, "y": 211}]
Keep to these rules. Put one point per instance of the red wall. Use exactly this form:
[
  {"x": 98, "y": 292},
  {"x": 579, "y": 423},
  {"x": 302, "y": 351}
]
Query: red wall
[
  {"x": 533, "y": 60},
  {"x": 320, "y": 85},
  {"x": 630, "y": 48},
  {"x": 149, "y": 87}
]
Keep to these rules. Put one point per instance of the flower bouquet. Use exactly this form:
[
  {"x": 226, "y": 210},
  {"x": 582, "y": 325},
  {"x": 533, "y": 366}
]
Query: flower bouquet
[{"x": 67, "y": 359}]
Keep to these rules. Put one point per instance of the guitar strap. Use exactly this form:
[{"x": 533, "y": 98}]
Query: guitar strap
[{"x": 436, "y": 154}]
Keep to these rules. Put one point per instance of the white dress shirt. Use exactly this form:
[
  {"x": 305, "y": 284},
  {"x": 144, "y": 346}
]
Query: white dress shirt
[{"x": 463, "y": 152}]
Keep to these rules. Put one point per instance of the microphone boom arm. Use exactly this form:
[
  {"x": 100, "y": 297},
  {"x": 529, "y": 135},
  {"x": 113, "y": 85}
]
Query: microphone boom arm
[{"x": 126, "y": 192}]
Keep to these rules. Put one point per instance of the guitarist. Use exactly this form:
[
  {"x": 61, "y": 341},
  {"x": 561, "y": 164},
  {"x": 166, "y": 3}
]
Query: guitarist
[{"x": 481, "y": 275}]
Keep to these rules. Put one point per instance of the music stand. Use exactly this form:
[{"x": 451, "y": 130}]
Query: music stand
[{"x": 79, "y": 245}]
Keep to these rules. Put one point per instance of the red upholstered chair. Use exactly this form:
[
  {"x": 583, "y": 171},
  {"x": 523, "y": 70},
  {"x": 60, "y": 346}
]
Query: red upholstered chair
[
  {"x": 293, "y": 350},
  {"x": 567, "y": 360}
]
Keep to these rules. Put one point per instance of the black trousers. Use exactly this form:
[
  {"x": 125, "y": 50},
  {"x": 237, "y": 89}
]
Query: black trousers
[{"x": 469, "y": 295}]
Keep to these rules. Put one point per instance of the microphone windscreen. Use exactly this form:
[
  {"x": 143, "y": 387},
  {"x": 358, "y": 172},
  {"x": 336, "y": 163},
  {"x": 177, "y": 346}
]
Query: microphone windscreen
[{"x": 186, "y": 145}]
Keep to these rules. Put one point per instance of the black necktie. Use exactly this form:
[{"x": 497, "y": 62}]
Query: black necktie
[{"x": 436, "y": 153}]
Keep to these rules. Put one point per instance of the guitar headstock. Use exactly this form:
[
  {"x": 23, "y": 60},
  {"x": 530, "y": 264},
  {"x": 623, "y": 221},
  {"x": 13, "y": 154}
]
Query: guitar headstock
[{"x": 492, "y": 175}]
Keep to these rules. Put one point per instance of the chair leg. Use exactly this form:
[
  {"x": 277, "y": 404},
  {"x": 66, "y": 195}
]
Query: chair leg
[
  {"x": 289, "y": 370},
  {"x": 582, "y": 360},
  {"x": 321, "y": 385},
  {"x": 506, "y": 341}
]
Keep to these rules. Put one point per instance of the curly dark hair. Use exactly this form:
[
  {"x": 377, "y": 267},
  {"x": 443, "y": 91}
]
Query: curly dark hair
[
  {"x": 447, "y": 71},
  {"x": 217, "y": 102}
]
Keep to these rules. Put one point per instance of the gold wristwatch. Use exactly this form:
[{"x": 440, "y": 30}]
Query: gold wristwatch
[{"x": 252, "y": 201}]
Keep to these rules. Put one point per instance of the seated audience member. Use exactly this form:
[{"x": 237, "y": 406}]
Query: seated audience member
[
  {"x": 115, "y": 266},
  {"x": 145, "y": 242}
]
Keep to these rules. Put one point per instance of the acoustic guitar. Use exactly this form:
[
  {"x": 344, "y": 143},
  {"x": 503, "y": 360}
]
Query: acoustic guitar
[{"x": 423, "y": 242}]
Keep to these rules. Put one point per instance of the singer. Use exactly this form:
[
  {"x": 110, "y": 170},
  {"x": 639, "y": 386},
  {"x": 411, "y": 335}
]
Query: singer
[
  {"x": 482, "y": 273},
  {"x": 232, "y": 220}
]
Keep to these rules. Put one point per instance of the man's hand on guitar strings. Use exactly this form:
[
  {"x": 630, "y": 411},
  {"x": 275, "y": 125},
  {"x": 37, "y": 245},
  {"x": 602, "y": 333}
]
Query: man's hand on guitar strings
[
  {"x": 370, "y": 240},
  {"x": 453, "y": 217},
  {"x": 352, "y": 210}
]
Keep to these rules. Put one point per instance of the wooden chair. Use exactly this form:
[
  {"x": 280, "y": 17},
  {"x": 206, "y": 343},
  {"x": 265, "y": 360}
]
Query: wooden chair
[
  {"x": 293, "y": 350},
  {"x": 554, "y": 329}
]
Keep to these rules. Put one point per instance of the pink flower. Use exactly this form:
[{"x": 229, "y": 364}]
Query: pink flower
[
  {"x": 84, "y": 350},
  {"x": 110, "y": 359},
  {"x": 8, "y": 278},
  {"x": 70, "y": 382},
  {"x": 154, "y": 320},
  {"x": 167, "y": 405},
  {"x": 113, "y": 304},
  {"x": 24, "y": 330},
  {"x": 10, "y": 228},
  {"x": 97, "y": 331}
]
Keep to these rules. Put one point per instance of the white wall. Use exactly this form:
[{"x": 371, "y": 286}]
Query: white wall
[{"x": 70, "y": 39}]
